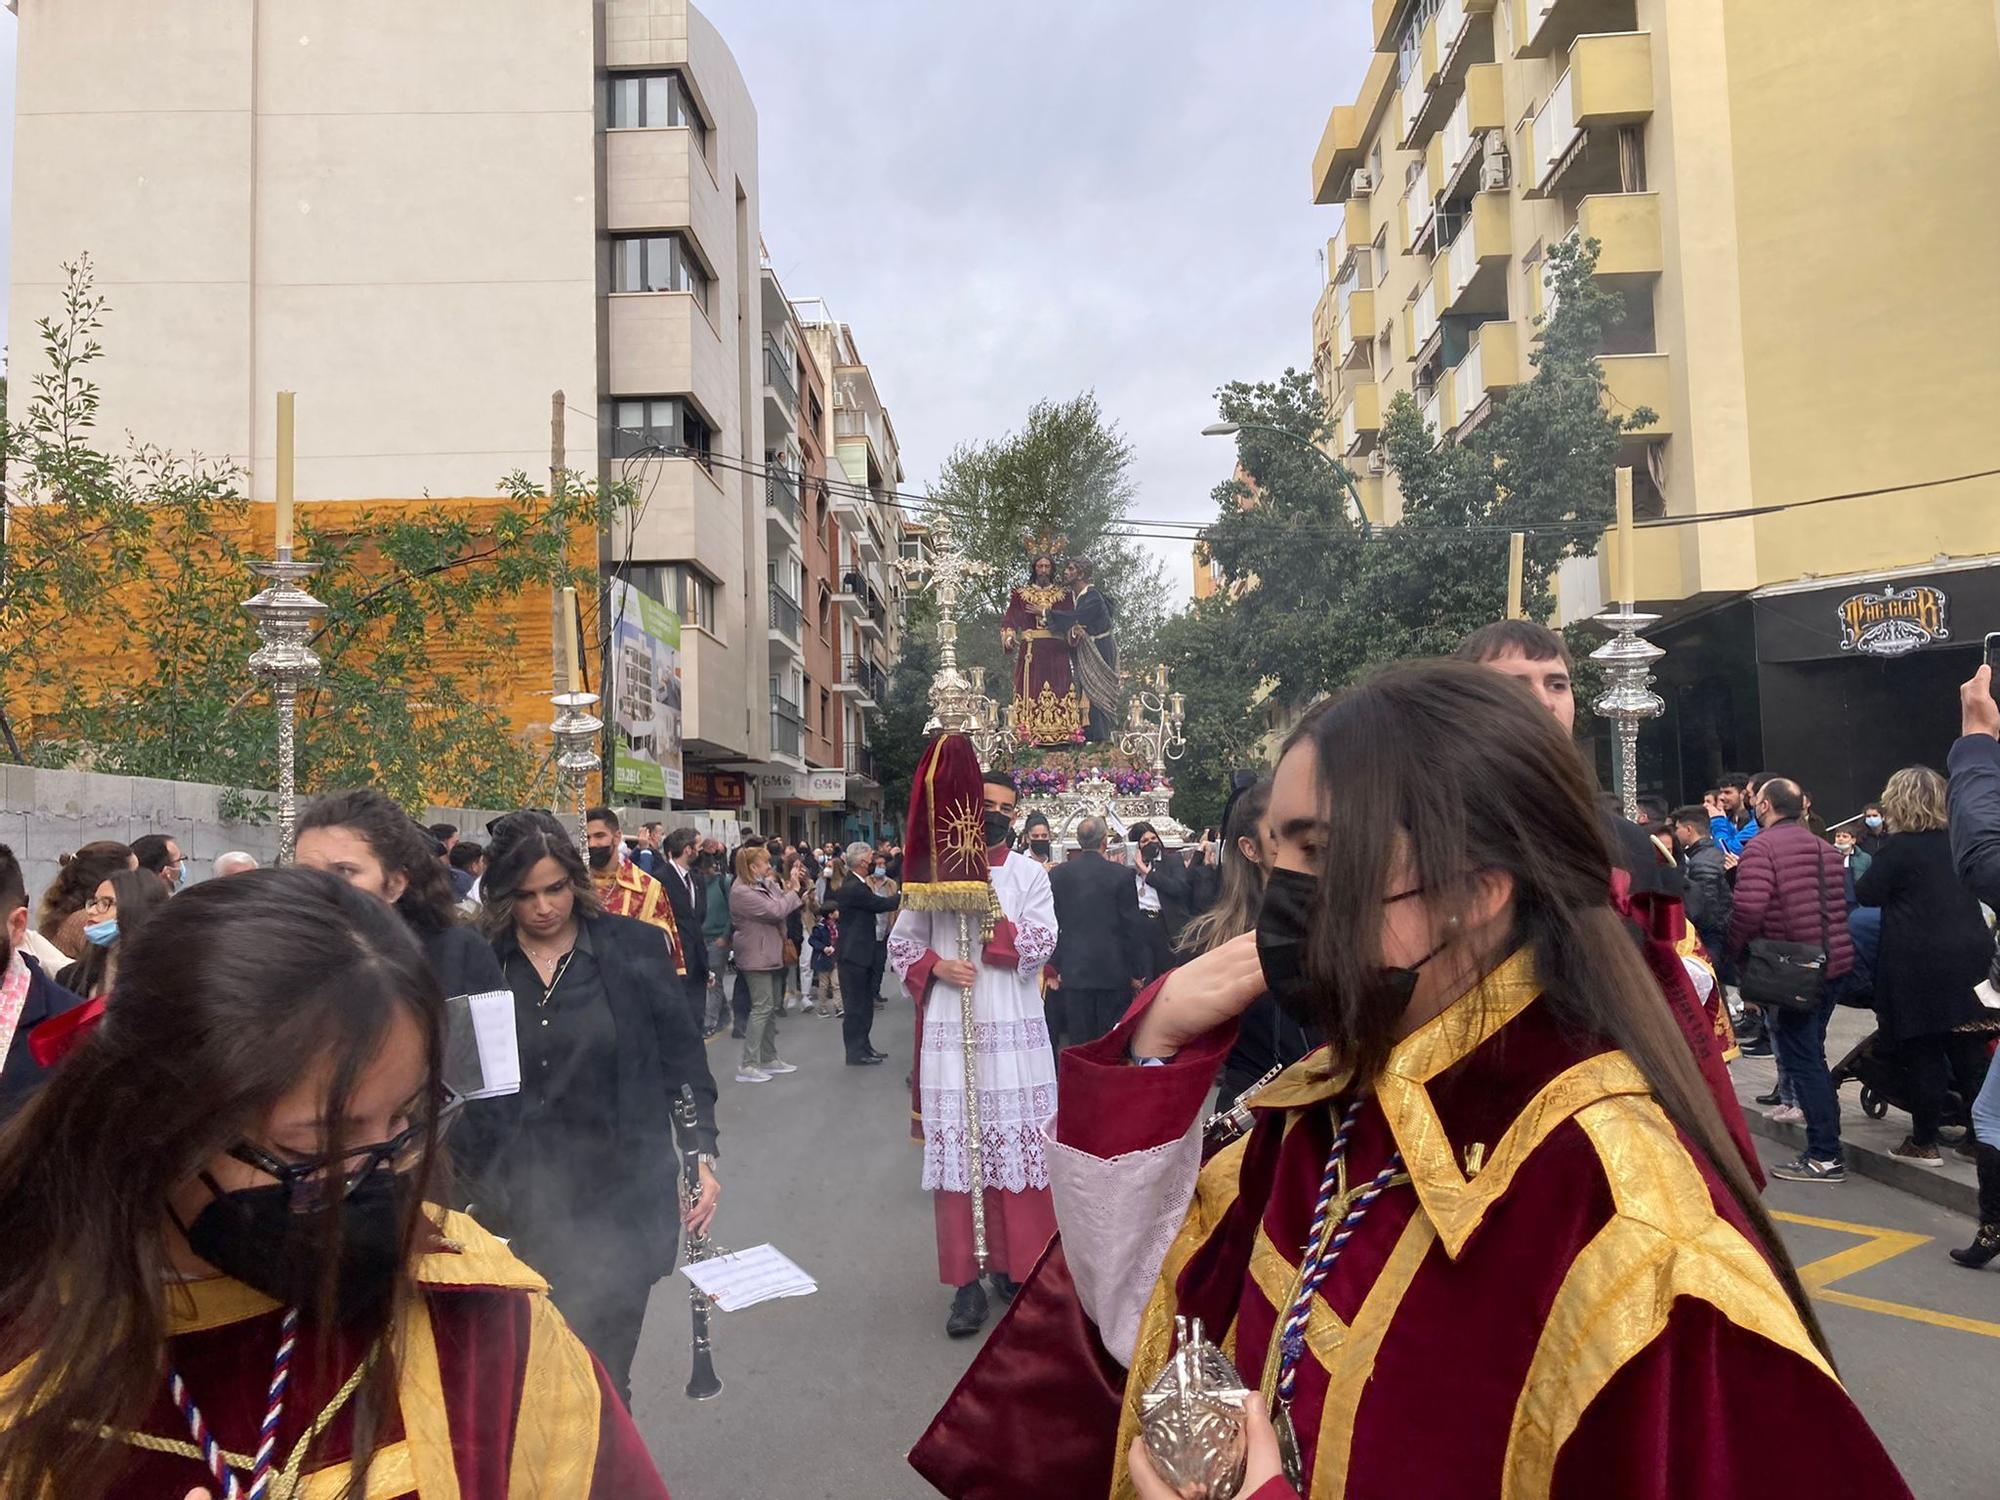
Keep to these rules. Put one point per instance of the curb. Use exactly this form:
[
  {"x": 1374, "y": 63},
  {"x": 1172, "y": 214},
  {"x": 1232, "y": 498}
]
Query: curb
[{"x": 1921, "y": 1182}]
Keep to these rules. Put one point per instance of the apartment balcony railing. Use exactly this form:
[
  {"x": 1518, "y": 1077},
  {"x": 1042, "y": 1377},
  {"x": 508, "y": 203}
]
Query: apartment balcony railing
[
  {"x": 782, "y": 496},
  {"x": 869, "y": 682},
  {"x": 1353, "y": 237},
  {"x": 778, "y": 375},
  {"x": 861, "y": 762},
  {"x": 1476, "y": 264},
  {"x": 1419, "y": 207},
  {"x": 1492, "y": 363},
  {"x": 1423, "y": 316},
  {"x": 1609, "y": 81},
  {"x": 787, "y": 729},
  {"x": 1360, "y": 416},
  {"x": 785, "y": 614}
]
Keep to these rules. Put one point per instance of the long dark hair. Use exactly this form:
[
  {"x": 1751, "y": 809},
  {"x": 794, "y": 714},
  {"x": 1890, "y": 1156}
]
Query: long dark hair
[
  {"x": 140, "y": 894},
  {"x": 1471, "y": 775},
  {"x": 428, "y": 902},
  {"x": 232, "y": 994},
  {"x": 1241, "y": 889},
  {"x": 81, "y": 874},
  {"x": 507, "y": 864}
]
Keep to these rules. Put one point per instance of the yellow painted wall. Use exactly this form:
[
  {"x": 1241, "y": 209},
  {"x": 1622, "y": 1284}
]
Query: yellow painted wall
[{"x": 1867, "y": 149}]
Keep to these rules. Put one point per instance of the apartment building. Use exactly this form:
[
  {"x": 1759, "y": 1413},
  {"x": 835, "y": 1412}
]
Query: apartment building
[
  {"x": 424, "y": 220},
  {"x": 859, "y": 608},
  {"x": 1779, "y": 195}
]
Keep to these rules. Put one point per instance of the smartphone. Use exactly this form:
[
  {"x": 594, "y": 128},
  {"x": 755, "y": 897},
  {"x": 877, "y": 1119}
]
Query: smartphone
[{"x": 1993, "y": 651}]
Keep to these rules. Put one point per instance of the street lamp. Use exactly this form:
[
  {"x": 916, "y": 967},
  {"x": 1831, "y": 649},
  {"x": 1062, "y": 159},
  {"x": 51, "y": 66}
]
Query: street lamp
[{"x": 1340, "y": 470}]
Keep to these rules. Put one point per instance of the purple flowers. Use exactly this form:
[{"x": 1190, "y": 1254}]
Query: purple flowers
[{"x": 1062, "y": 772}]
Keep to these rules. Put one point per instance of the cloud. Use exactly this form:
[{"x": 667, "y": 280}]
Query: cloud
[{"x": 1015, "y": 202}]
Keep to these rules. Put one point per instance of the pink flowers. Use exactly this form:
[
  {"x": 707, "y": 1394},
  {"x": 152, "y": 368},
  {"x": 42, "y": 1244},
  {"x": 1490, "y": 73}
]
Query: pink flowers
[{"x": 1063, "y": 772}]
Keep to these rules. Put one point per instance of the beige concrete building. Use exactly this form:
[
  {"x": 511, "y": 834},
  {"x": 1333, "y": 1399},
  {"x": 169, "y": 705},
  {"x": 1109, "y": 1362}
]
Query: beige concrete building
[
  {"x": 424, "y": 219},
  {"x": 1780, "y": 193}
]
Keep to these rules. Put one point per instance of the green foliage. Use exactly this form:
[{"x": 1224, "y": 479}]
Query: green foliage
[
  {"x": 1066, "y": 472},
  {"x": 1207, "y": 654},
  {"x": 122, "y": 608},
  {"x": 1314, "y": 605},
  {"x": 896, "y": 727}
]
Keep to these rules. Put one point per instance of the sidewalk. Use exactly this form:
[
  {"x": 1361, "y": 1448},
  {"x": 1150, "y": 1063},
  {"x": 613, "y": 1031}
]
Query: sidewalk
[{"x": 1864, "y": 1142}]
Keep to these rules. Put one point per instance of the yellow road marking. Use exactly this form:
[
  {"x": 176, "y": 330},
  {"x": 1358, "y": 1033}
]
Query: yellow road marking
[{"x": 1878, "y": 1245}]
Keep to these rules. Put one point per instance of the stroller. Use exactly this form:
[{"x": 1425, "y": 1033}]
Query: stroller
[{"x": 1884, "y": 1082}]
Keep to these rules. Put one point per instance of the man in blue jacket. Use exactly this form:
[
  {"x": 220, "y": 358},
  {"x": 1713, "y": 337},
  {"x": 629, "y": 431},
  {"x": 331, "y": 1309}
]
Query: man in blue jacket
[
  {"x": 28, "y": 996},
  {"x": 1974, "y": 800},
  {"x": 1731, "y": 822}
]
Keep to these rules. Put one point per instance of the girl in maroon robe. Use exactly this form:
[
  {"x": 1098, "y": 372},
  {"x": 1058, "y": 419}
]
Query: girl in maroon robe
[{"x": 220, "y": 1262}]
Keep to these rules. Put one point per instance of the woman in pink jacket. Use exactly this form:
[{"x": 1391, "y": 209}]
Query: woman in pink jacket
[{"x": 758, "y": 906}]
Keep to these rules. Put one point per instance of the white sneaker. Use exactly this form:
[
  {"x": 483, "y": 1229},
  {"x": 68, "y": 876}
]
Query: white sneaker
[
  {"x": 1786, "y": 1114},
  {"x": 778, "y": 1065},
  {"x": 752, "y": 1075}
]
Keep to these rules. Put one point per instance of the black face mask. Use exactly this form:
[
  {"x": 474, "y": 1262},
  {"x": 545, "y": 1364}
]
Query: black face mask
[
  {"x": 600, "y": 856},
  {"x": 1039, "y": 848},
  {"x": 1283, "y": 922},
  {"x": 998, "y": 828},
  {"x": 254, "y": 1235}
]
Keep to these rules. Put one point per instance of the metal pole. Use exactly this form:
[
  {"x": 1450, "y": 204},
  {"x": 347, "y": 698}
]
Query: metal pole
[
  {"x": 1628, "y": 696},
  {"x": 284, "y": 614},
  {"x": 975, "y": 1155}
]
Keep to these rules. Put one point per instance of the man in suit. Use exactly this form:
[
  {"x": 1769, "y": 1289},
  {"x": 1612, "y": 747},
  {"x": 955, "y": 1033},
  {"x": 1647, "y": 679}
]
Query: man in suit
[
  {"x": 687, "y": 894},
  {"x": 28, "y": 996},
  {"x": 1098, "y": 961},
  {"x": 857, "y": 901}
]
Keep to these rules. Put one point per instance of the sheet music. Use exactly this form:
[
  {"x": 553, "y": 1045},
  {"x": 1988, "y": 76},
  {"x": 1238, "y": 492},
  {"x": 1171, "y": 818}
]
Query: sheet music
[{"x": 747, "y": 1277}]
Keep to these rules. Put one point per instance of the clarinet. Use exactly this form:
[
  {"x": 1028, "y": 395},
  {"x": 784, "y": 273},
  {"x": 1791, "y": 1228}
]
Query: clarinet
[{"x": 703, "y": 1382}]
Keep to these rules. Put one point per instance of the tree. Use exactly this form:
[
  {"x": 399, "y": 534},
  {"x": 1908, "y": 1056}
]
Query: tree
[
  {"x": 896, "y": 727},
  {"x": 1205, "y": 649},
  {"x": 1066, "y": 472},
  {"x": 1322, "y": 605},
  {"x": 121, "y": 616}
]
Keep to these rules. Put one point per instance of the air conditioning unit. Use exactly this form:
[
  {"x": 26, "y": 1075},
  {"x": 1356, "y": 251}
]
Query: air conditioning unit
[
  {"x": 1378, "y": 461},
  {"x": 1363, "y": 183}
]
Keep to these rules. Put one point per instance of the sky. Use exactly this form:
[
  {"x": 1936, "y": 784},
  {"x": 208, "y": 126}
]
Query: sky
[{"x": 1021, "y": 201}]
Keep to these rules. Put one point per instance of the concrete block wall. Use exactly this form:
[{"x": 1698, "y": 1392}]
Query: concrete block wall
[{"x": 45, "y": 814}]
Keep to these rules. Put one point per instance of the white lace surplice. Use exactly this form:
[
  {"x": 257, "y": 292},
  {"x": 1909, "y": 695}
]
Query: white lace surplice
[{"x": 1010, "y": 1040}]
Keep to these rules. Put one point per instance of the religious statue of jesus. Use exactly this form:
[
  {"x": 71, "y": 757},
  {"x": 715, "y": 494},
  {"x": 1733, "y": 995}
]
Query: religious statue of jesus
[{"x": 1047, "y": 708}]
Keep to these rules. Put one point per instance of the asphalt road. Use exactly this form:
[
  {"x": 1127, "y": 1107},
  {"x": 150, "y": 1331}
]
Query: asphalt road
[{"x": 823, "y": 1395}]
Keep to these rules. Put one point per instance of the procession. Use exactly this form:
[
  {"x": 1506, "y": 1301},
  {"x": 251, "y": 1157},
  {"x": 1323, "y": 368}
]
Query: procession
[{"x": 1377, "y": 883}]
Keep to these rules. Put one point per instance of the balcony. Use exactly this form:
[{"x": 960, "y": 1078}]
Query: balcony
[
  {"x": 1439, "y": 410},
  {"x": 1457, "y": 21},
  {"x": 788, "y": 722},
  {"x": 1480, "y": 108},
  {"x": 862, "y": 681},
  {"x": 1491, "y": 365},
  {"x": 1354, "y": 321},
  {"x": 1359, "y": 418},
  {"x": 1626, "y": 227},
  {"x": 1635, "y": 380},
  {"x": 1420, "y": 319},
  {"x": 850, "y": 505},
  {"x": 786, "y": 620},
  {"x": 861, "y": 764},
  {"x": 1349, "y": 128},
  {"x": 1476, "y": 263},
  {"x": 868, "y": 540},
  {"x": 1609, "y": 82},
  {"x": 779, "y": 383},
  {"x": 1419, "y": 209},
  {"x": 781, "y": 503},
  {"x": 848, "y": 597},
  {"x": 1543, "y": 28},
  {"x": 1351, "y": 241}
]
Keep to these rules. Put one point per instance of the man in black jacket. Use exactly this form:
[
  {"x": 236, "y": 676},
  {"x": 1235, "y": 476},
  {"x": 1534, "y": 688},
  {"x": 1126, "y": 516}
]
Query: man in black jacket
[
  {"x": 1707, "y": 872},
  {"x": 22, "y": 985},
  {"x": 1098, "y": 962},
  {"x": 857, "y": 904},
  {"x": 687, "y": 894},
  {"x": 1974, "y": 800}
]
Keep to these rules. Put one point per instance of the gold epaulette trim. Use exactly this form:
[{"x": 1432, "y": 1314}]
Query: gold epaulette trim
[{"x": 472, "y": 1257}]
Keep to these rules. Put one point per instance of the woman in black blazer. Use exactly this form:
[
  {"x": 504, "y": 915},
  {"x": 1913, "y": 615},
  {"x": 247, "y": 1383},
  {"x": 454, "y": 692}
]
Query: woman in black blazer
[
  {"x": 1935, "y": 948},
  {"x": 581, "y": 1169}
]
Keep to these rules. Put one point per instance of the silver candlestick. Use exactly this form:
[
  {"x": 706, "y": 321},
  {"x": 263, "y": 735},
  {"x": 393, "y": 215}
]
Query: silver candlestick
[
  {"x": 285, "y": 615},
  {"x": 576, "y": 730},
  {"x": 1628, "y": 697},
  {"x": 1153, "y": 724},
  {"x": 959, "y": 704}
]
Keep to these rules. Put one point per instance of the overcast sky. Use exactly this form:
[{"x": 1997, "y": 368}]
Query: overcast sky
[{"x": 1016, "y": 201}]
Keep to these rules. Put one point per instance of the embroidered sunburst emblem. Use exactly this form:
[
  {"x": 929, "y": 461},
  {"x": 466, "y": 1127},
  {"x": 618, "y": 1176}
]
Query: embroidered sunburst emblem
[{"x": 964, "y": 830}]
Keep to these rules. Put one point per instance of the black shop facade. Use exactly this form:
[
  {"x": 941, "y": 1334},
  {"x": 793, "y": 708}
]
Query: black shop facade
[{"x": 1834, "y": 682}]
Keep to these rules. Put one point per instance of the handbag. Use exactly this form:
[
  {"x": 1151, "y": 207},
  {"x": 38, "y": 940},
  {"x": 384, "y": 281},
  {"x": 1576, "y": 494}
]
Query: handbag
[{"x": 1790, "y": 976}]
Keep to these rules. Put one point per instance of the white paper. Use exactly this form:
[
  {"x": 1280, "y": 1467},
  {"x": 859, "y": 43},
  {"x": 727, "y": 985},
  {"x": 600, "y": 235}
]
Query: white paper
[
  {"x": 747, "y": 1277},
  {"x": 499, "y": 1046}
]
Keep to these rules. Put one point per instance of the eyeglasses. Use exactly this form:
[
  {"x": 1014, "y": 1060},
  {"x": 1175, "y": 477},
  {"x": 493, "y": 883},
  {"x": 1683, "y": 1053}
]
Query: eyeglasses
[
  {"x": 308, "y": 1180},
  {"x": 101, "y": 903}
]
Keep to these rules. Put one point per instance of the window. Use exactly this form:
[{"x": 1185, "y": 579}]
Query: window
[
  {"x": 654, "y": 101},
  {"x": 682, "y": 587},
  {"x": 657, "y": 263},
  {"x": 1381, "y": 253},
  {"x": 640, "y": 424}
]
